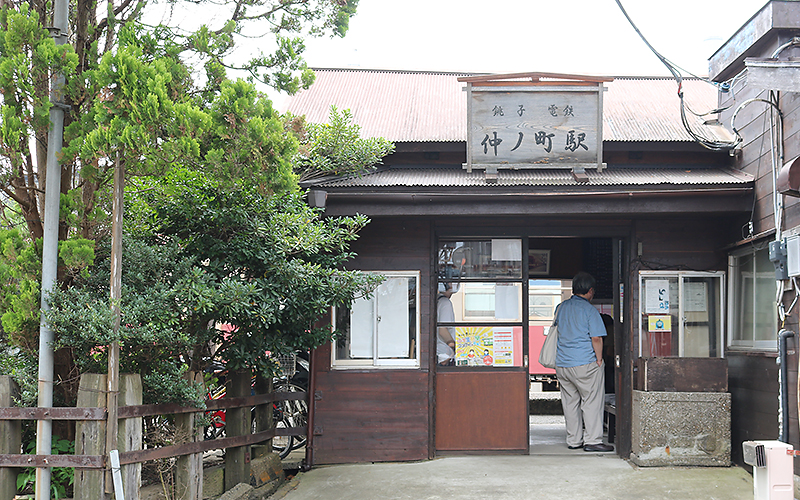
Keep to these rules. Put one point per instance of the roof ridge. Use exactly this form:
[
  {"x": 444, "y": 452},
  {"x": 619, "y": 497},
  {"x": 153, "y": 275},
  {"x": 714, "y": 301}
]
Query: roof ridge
[
  {"x": 482, "y": 73},
  {"x": 403, "y": 71}
]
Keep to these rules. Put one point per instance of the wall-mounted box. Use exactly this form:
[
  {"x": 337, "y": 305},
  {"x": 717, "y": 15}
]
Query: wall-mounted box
[{"x": 793, "y": 255}]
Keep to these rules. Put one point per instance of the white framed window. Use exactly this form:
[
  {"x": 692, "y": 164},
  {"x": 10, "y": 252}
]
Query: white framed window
[
  {"x": 752, "y": 309},
  {"x": 383, "y": 330},
  {"x": 681, "y": 314}
]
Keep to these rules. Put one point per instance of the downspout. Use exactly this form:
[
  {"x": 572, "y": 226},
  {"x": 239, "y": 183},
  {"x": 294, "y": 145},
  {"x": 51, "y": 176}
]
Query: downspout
[
  {"x": 784, "y": 384},
  {"x": 312, "y": 386}
]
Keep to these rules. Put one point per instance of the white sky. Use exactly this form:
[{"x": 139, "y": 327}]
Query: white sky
[{"x": 590, "y": 37}]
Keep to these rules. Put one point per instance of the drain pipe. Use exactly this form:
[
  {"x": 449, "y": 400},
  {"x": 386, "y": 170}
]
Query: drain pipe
[{"x": 784, "y": 385}]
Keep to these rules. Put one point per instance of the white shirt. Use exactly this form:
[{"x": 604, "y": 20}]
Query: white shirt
[{"x": 445, "y": 314}]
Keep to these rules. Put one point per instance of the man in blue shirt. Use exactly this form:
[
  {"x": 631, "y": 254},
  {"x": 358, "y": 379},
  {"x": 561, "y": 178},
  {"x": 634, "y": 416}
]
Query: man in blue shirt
[{"x": 579, "y": 366}]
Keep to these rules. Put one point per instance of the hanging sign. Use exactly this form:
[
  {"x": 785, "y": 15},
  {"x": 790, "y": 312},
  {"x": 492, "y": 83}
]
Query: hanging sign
[{"x": 534, "y": 124}]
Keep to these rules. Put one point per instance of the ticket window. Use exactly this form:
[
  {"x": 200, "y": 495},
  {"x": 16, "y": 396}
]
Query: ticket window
[{"x": 681, "y": 314}]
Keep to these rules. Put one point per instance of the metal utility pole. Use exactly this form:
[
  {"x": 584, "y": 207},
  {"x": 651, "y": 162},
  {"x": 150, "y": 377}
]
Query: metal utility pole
[{"x": 44, "y": 428}]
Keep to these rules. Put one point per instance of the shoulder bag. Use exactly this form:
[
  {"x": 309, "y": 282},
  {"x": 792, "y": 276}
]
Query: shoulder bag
[{"x": 547, "y": 356}]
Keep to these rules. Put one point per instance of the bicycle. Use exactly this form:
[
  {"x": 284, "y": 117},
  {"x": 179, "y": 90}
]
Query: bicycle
[{"x": 285, "y": 414}]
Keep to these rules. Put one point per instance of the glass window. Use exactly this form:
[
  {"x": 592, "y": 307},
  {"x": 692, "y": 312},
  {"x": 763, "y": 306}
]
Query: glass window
[
  {"x": 496, "y": 258},
  {"x": 753, "y": 313},
  {"x": 382, "y": 330},
  {"x": 487, "y": 302},
  {"x": 681, "y": 314}
]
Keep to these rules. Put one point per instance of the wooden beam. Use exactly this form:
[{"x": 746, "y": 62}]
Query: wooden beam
[
  {"x": 61, "y": 413},
  {"x": 534, "y": 76},
  {"x": 76, "y": 461}
]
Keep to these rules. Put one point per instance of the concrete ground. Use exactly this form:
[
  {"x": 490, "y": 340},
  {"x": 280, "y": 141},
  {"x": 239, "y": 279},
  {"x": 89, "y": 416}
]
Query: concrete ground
[{"x": 551, "y": 471}]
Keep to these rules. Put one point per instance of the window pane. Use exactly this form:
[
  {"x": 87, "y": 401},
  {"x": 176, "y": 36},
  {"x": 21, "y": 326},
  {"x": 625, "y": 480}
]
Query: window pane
[
  {"x": 742, "y": 298},
  {"x": 765, "y": 319},
  {"x": 498, "y": 258},
  {"x": 362, "y": 328},
  {"x": 393, "y": 318},
  {"x": 660, "y": 316},
  {"x": 486, "y": 302},
  {"x": 702, "y": 317},
  {"x": 754, "y": 317},
  {"x": 382, "y": 329}
]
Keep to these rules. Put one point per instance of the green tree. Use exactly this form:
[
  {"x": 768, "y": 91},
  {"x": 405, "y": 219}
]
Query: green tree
[
  {"x": 28, "y": 56},
  {"x": 269, "y": 265},
  {"x": 335, "y": 148}
]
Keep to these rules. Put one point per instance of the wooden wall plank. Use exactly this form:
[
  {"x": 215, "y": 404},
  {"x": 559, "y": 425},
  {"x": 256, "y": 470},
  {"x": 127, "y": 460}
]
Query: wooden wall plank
[{"x": 371, "y": 416}]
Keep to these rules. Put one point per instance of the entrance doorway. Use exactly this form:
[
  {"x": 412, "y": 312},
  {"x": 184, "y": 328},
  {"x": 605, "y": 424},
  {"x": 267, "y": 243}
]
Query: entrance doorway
[
  {"x": 545, "y": 293},
  {"x": 500, "y": 296}
]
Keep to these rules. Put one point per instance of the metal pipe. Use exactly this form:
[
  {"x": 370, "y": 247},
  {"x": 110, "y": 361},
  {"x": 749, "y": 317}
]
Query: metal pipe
[
  {"x": 311, "y": 406},
  {"x": 55, "y": 138},
  {"x": 784, "y": 384}
]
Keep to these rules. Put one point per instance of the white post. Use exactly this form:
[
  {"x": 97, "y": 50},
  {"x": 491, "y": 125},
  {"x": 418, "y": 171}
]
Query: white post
[{"x": 44, "y": 428}]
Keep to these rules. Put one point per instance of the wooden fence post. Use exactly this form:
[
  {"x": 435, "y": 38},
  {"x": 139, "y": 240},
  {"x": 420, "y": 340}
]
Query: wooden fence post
[
  {"x": 90, "y": 438},
  {"x": 189, "y": 468},
  {"x": 262, "y": 417},
  {"x": 237, "y": 423},
  {"x": 10, "y": 438},
  {"x": 129, "y": 433}
]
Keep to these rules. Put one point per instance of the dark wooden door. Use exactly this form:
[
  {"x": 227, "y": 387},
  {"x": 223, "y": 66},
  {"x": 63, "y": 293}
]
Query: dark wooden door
[{"x": 481, "y": 411}]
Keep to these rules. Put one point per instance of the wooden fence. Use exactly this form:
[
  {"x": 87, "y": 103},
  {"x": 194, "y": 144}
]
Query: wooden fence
[{"x": 91, "y": 459}]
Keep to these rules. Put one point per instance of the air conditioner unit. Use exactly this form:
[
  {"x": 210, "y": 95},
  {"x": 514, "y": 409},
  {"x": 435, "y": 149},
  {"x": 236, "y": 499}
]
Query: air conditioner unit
[{"x": 772, "y": 469}]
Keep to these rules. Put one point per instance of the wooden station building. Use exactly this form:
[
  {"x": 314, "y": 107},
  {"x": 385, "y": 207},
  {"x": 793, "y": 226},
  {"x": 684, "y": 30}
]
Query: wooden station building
[{"x": 675, "y": 234}]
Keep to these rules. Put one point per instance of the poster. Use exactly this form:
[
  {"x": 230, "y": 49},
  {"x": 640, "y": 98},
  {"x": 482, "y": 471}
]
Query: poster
[
  {"x": 695, "y": 297},
  {"x": 507, "y": 250},
  {"x": 506, "y": 301},
  {"x": 484, "y": 346},
  {"x": 474, "y": 345},
  {"x": 503, "y": 347},
  {"x": 659, "y": 323},
  {"x": 656, "y": 294}
]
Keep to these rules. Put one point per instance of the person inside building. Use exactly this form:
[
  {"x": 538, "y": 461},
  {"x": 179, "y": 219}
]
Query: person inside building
[
  {"x": 608, "y": 352},
  {"x": 445, "y": 335},
  {"x": 579, "y": 366}
]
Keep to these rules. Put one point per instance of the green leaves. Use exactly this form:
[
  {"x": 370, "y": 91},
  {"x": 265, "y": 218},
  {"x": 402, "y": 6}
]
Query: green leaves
[
  {"x": 336, "y": 148},
  {"x": 135, "y": 115},
  {"x": 247, "y": 144}
]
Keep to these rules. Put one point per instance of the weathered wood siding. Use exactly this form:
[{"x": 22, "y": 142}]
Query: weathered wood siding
[
  {"x": 370, "y": 416},
  {"x": 754, "y": 374},
  {"x": 753, "y": 383},
  {"x": 379, "y": 415}
]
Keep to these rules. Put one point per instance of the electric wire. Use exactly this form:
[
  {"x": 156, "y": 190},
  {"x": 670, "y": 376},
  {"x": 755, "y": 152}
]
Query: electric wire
[{"x": 698, "y": 136}]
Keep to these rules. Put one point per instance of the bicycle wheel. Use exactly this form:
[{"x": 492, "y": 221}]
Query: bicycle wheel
[
  {"x": 282, "y": 445},
  {"x": 295, "y": 412}
]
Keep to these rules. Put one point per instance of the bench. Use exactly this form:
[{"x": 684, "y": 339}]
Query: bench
[{"x": 610, "y": 416}]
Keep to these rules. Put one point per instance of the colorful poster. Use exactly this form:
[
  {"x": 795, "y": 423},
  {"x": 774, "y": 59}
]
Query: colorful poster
[
  {"x": 474, "y": 345},
  {"x": 484, "y": 346}
]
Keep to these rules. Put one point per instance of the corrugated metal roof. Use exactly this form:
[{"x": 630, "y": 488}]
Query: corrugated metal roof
[
  {"x": 416, "y": 177},
  {"x": 410, "y": 106}
]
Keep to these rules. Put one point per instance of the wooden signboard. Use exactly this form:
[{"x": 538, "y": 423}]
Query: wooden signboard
[{"x": 520, "y": 121}]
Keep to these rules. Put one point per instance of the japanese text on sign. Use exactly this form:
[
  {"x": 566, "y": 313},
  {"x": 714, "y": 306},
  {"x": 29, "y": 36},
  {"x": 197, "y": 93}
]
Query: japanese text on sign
[{"x": 534, "y": 127}]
